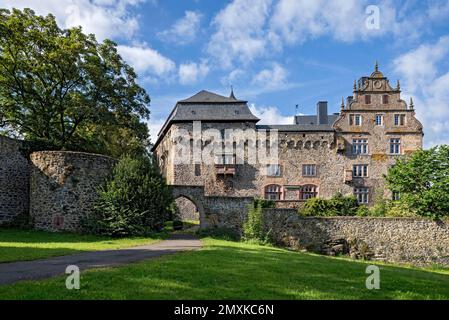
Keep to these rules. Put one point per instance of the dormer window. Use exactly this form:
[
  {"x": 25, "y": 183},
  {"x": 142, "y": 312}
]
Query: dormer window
[
  {"x": 385, "y": 99},
  {"x": 368, "y": 99}
]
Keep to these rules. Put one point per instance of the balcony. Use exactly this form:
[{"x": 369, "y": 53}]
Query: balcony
[{"x": 225, "y": 169}]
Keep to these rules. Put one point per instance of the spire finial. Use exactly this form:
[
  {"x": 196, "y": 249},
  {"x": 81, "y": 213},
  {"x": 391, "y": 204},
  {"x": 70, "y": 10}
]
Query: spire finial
[
  {"x": 342, "y": 103},
  {"x": 355, "y": 85},
  {"x": 376, "y": 67},
  {"x": 232, "y": 96},
  {"x": 411, "y": 103},
  {"x": 398, "y": 85}
]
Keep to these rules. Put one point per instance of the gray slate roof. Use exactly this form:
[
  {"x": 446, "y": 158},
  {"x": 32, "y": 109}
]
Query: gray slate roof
[{"x": 209, "y": 97}]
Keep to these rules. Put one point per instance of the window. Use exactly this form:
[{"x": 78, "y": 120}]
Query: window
[
  {"x": 309, "y": 170},
  {"x": 379, "y": 120},
  {"x": 399, "y": 119},
  {"x": 396, "y": 196},
  {"x": 225, "y": 158},
  {"x": 362, "y": 195},
  {"x": 273, "y": 192},
  {"x": 385, "y": 98},
  {"x": 360, "y": 146},
  {"x": 197, "y": 169},
  {"x": 355, "y": 120},
  {"x": 368, "y": 99},
  {"x": 395, "y": 146},
  {"x": 360, "y": 170},
  {"x": 273, "y": 170},
  {"x": 307, "y": 192}
]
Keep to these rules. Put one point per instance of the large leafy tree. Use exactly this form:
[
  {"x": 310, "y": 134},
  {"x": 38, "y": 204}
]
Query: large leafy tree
[
  {"x": 64, "y": 89},
  {"x": 423, "y": 181}
]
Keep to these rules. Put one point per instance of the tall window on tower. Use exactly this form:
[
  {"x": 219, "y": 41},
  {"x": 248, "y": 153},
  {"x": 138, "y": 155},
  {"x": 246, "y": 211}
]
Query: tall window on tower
[
  {"x": 399, "y": 119},
  {"x": 385, "y": 99},
  {"x": 360, "y": 146},
  {"x": 395, "y": 146},
  {"x": 355, "y": 120}
]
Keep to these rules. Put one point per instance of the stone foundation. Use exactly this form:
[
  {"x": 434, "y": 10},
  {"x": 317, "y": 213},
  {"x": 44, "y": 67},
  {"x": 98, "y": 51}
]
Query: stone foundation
[{"x": 410, "y": 240}]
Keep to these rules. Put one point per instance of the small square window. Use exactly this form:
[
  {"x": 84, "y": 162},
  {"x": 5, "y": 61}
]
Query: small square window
[
  {"x": 362, "y": 195},
  {"x": 399, "y": 119},
  {"x": 360, "y": 170},
  {"x": 367, "y": 99},
  {"x": 395, "y": 146},
  {"x": 273, "y": 170},
  {"x": 360, "y": 146},
  {"x": 379, "y": 120},
  {"x": 309, "y": 170},
  {"x": 385, "y": 99}
]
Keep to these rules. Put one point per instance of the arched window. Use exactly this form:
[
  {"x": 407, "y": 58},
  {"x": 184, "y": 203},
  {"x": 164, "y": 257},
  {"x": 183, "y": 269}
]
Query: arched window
[
  {"x": 273, "y": 192},
  {"x": 308, "y": 191}
]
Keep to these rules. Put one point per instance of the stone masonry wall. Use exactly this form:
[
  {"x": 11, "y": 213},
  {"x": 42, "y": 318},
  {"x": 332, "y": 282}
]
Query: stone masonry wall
[
  {"x": 411, "y": 240},
  {"x": 63, "y": 187},
  {"x": 14, "y": 179}
]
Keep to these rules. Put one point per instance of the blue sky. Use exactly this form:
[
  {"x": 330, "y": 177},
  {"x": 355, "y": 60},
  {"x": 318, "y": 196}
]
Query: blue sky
[{"x": 276, "y": 54}]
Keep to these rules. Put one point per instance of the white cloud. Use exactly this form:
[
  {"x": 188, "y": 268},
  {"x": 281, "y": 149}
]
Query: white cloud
[
  {"x": 146, "y": 60},
  {"x": 104, "y": 18},
  {"x": 239, "y": 34},
  {"x": 345, "y": 20},
  {"x": 270, "y": 115},
  {"x": 271, "y": 78},
  {"x": 184, "y": 30},
  {"x": 190, "y": 73},
  {"x": 155, "y": 126},
  {"x": 426, "y": 80}
]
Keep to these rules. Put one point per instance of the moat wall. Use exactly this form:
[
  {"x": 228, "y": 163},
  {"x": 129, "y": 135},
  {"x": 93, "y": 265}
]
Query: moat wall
[
  {"x": 14, "y": 179},
  {"x": 411, "y": 240},
  {"x": 63, "y": 187}
]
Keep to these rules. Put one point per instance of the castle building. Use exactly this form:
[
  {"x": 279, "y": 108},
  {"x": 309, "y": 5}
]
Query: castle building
[{"x": 317, "y": 155}]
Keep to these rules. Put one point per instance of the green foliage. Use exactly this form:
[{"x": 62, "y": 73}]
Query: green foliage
[
  {"x": 253, "y": 228},
  {"x": 423, "y": 181},
  {"x": 63, "y": 90},
  {"x": 177, "y": 225},
  {"x": 134, "y": 201},
  {"x": 338, "y": 205}
]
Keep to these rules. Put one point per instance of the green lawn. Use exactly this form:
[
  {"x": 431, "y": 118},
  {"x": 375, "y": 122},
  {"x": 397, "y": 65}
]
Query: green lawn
[
  {"x": 16, "y": 245},
  {"x": 233, "y": 270}
]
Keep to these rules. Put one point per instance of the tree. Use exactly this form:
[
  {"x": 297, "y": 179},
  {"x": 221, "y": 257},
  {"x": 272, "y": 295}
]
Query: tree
[
  {"x": 134, "y": 201},
  {"x": 422, "y": 181},
  {"x": 64, "y": 89}
]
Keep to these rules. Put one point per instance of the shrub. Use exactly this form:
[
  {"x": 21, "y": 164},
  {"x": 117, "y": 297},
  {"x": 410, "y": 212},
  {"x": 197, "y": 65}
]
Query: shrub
[
  {"x": 363, "y": 211},
  {"x": 134, "y": 201},
  {"x": 338, "y": 205},
  {"x": 177, "y": 225},
  {"x": 253, "y": 228}
]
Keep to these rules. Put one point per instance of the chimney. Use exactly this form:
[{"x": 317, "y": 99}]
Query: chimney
[{"x": 322, "y": 112}]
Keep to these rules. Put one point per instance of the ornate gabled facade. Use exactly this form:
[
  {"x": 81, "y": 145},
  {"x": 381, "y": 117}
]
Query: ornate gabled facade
[{"x": 317, "y": 156}]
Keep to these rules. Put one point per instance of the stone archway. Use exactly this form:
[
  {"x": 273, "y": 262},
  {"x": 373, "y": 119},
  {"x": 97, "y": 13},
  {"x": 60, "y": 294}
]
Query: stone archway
[{"x": 196, "y": 196}]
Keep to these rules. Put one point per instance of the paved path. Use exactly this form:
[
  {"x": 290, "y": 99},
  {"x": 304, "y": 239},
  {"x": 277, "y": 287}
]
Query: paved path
[{"x": 40, "y": 269}]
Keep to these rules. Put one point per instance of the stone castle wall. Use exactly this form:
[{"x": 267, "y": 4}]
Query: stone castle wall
[
  {"x": 14, "y": 179},
  {"x": 63, "y": 187},
  {"x": 410, "y": 240}
]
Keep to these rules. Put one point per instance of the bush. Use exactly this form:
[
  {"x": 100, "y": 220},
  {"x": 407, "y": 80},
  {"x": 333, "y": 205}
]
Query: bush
[
  {"x": 338, "y": 205},
  {"x": 134, "y": 201},
  {"x": 253, "y": 228},
  {"x": 177, "y": 225}
]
